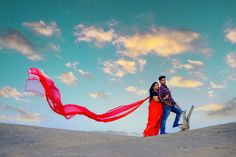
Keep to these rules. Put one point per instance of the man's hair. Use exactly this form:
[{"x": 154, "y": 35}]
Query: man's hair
[{"x": 161, "y": 77}]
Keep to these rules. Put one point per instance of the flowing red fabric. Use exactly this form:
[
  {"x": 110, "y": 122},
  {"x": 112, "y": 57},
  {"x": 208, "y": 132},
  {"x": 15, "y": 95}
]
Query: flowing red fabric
[
  {"x": 154, "y": 119},
  {"x": 39, "y": 82}
]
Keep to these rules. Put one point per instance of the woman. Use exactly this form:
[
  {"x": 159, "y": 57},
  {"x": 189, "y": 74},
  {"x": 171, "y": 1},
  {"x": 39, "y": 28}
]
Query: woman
[{"x": 154, "y": 113}]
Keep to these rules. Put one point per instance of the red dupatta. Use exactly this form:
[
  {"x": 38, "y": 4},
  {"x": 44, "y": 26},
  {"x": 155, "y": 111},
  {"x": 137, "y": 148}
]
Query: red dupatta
[{"x": 39, "y": 82}]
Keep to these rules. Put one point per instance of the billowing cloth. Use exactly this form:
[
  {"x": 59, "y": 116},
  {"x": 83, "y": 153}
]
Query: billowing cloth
[
  {"x": 154, "y": 119},
  {"x": 39, "y": 82}
]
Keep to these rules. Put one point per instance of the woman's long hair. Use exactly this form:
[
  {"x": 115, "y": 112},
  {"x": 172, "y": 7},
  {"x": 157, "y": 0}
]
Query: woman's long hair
[{"x": 151, "y": 90}]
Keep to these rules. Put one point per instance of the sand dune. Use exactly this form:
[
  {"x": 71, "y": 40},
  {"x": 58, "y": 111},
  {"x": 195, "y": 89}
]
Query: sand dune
[{"x": 28, "y": 141}]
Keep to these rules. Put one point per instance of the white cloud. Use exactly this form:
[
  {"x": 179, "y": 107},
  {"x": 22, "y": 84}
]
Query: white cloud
[
  {"x": 178, "y": 81},
  {"x": 129, "y": 66},
  {"x": 172, "y": 71},
  {"x": 199, "y": 74},
  {"x": 210, "y": 107},
  {"x": 194, "y": 67},
  {"x": 21, "y": 115},
  {"x": 43, "y": 28},
  {"x": 137, "y": 91},
  {"x": 211, "y": 94},
  {"x": 84, "y": 73},
  {"x": 9, "y": 92},
  {"x": 96, "y": 95},
  {"x": 191, "y": 65},
  {"x": 3, "y": 118},
  {"x": 93, "y": 34},
  {"x": 232, "y": 76},
  {"x": 216, "y": 86},
  {"x": 54, "y": 47},
  {"x": 231, "y": 35},
  {"x": 120, "y": 67},
  {"x": 229, "y": 74},
  {"x": 116, "y": 80},
  {"x": 14, "y": 40},
  {"x": 73, "y": 65},
  {"x": 68, "y": 78},
  {"x": 195, "y": 64},
  {"x": 141, "y": 63},
  {"x": 231, "y": 60},
  {"x": 160, "y": 41},
  {"x": 227, "y": 109}
]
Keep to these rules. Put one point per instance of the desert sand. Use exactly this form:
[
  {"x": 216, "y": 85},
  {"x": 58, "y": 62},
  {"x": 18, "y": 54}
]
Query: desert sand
[{"x": 29, "y": 141}]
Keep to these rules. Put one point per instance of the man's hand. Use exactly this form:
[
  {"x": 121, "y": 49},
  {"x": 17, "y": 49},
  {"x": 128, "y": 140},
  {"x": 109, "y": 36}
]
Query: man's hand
[
  {"x": 167, "y": 103},
  {"x": 166, "y": 97}
]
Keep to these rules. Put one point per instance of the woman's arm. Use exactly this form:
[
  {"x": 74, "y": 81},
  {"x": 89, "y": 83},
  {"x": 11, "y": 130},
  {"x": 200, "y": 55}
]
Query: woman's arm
[{"x": 156, "y": 98}]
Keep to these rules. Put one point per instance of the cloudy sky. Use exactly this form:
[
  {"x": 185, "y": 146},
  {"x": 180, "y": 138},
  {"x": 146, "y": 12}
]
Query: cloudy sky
[{"x": 102, "y": 54}]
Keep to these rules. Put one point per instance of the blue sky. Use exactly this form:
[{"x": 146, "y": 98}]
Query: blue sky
[{"x": 102, "y": 54}]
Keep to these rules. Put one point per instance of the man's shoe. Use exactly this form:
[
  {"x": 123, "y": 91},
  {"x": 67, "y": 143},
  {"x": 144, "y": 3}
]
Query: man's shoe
[
  {"x": 163, "y": 133},
  {"x": 176, "y": 125}
]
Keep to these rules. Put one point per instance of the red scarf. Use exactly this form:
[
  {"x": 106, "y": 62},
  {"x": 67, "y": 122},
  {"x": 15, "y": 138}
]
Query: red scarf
[{"x": 38, "y": 82}]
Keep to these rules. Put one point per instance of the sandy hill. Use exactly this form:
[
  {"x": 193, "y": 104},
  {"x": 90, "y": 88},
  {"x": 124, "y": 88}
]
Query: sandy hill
[{"x": 29, "y": 141}]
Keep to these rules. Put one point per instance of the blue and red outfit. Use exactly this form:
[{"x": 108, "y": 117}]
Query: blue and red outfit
[{"x": 169, "y": 105}]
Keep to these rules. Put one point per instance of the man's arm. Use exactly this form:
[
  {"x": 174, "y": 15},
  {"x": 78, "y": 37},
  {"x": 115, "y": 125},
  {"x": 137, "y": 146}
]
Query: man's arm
[
  {"x": 161, "y": 95},
  {"x": 175, "y": 102}
]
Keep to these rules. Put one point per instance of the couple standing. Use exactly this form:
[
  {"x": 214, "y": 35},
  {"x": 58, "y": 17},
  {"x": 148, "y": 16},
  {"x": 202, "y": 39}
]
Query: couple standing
[{"x": 161, "y": 104}]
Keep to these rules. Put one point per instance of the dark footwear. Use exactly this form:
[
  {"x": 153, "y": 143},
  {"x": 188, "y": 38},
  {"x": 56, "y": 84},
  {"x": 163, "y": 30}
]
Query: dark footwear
[
  {"x": 163, "y": 133},
  {"x": 176, "y": 125}
]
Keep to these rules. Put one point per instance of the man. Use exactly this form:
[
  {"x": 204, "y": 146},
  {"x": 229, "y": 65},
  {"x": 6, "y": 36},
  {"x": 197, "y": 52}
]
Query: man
[{"x": 168, "y": 105}]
